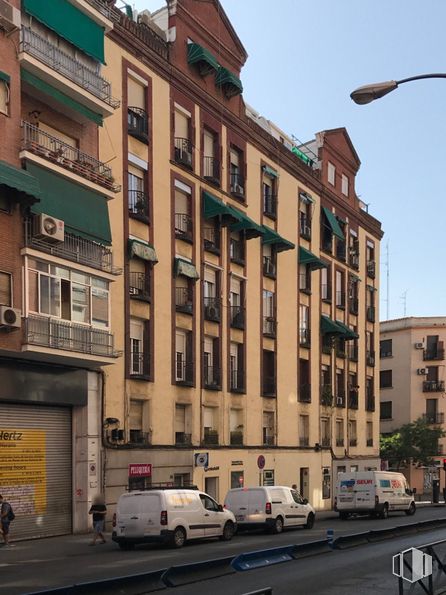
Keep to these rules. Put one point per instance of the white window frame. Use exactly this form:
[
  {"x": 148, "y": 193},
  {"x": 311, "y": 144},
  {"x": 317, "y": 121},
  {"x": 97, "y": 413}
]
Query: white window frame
[
  {"x": 331, "y": 173},
  {"x": 344, "y": 184}
]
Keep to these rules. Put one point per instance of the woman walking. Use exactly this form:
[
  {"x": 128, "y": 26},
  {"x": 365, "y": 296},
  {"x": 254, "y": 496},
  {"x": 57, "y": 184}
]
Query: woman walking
[{"x": 98, "y": 510}]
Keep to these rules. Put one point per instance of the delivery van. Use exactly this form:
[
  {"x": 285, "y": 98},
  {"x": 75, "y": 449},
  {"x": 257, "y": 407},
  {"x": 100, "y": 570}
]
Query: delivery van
[
  {"x": 270, "y": 507},
  {"x": 373, "y": 492},
  {"x": 169, "y": 515}
]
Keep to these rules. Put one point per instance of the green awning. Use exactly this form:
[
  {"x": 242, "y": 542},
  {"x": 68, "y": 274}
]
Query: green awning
[
  {"x": 4, "y": 77},
  {"x": 20, "y": 180},
  {"x": 302, "y": 156},
  {"x": 348, "y": 333},
  {"x": 230, "y": 83},
  {"x": 246, "y": 224},
  {"x": 272, "y": 237},
  {"x": 307, "y": 257},
  {"x": 142, "y": 250},
  {"x": 214, "y": 207},
  {"x": 306, "y": 198},
  {"x": 333, "y": 223},
  {"x": 196, "y": 54},
  {"x": 269, "y": 171},
  {"x": 84, "y": 212},
  {"x": 185, "y": 268},
  {"x": 330, "y": 327},
  {"x": 70, "y": 23},
  {"x": 41, "y": 85}
]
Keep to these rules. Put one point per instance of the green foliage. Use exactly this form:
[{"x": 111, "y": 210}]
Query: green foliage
[{"x": 414, "y": 443}]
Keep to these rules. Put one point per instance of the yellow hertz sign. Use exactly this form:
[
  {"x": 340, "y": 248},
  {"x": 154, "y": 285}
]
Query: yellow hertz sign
[{"x": 23, "y": 469}]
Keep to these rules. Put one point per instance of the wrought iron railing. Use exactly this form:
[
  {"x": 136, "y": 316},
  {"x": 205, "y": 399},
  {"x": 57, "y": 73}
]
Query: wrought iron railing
[
  {"x": 269, "y": 326},
  {"x": 183, "y": 439},
  {"x": 304, "y": 226},
  {"x": 339, "y": 441},
  {"x": 183, "y": 226},
  {"x": 237, "y": 251},
  {"x": 269, "y": 386},
  {"x": 211, "y": 169},
  {"x": 433, "y": 386},
  {"x": 269, "y": 440},
  {"x": 210, "y": 437},
  {"x": 371, "y": 269},
  {"x": 48, "y": 53},
  {"x": 138, "y": 123},
  {"x": 370, "y": 314},
  {"x": 370, "y": 403},
  {"x": 237, "y": 317},
  {"x": 435, "y": 353},
  {"x": 269, "y": 266},
  {"x": 211, "y": 238},
  {"x": 340, "y": 299},
  {"x": 326, "y": 395},
  {"x": 370, "y": 358},
  {"x": 353, "y": 305},
  {"x": 304, "y": 441},
  {"x": 353, "y": 352},
  {"x": 236, "y": 438},
  {"x": 354, "y": 259},
  {"x": 183, "y": 151},
  {"x": 341, "y": 250},
  {"x": 326, "y": 441},
  {"x": 184, "y": 373},
  {"x": 139, "y": 286},
  {"x": 138, "y": 204},
  {"x": 353, "y": 442},
  {"x": 270, "y": 205},
  {"x": 212, "y": 308},
  {"x": 184, "y": 299},
  {"x": 237, "y": 182},
  {"x": 211, "y": 377},
  {"x": 353, "y": 399},
  {"x": 139, "y": 364}
]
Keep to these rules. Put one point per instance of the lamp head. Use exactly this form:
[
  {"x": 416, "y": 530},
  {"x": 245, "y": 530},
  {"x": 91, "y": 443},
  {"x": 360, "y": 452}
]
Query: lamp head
[{"x": 369, "y": 93}]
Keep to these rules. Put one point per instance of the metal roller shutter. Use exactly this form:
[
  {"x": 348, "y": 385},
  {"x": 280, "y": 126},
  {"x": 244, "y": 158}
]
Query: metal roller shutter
[{"x": 35, "y": 468}]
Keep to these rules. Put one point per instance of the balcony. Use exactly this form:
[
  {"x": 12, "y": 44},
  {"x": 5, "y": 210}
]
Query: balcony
[
  {"x": 212, "y": 308},
  {"x": 354, "y": 259},
  {"x": 370, "y": 358},
  {"x": 435, "y": 353},
  {"x": 369, "y": 442},
  {"x": 236, "y": 438},
  {"x": 269, "y": 440},
  {"x": 184, "y": 227},
  {"x": 211, "y": 170},
  {"x": 183, "y": 152},
  {"x": 353, "y": 306},
  {"x": 269, "y": 326},
  {"x": 139, "y": 437},
  {"x": 270, "y": 205},
  {"x": 304, "y": 337},
  {"x": 184, "y": 373},
  {"x": 325, "y": 441},
  {"x": 184, "y": 300},
  {"x": 326, "y": 293},
  {"x": 340, "y": 299},
  {"x": 340, "y": 348},
  {"x": 353, "y": 442},
  {"x": 212, "y": 377},
  {"x": 237, "y": 251},
  {"x": 371, "y": 269},
  {"x": 339, "y": 441},
  {"x": 92, "y": 90},
  {"x": 269, "y": 386},
  {"x": 139, "y": 364},
  {"x": 326, "y": 395},
  {"x": 370, "y": 403},
  {"x": 69, "y": 336},
  {"x": 433, "y": 386},
  {"x": 353, "y": 352},
  {"x": 340, "y": 399},
  {"x": 237, "y": 381},
  {"x": 211, "y": 239},
  {"x": 327, "y": 344},
  {"x": 341, "y": 250},
  {"x": 370, "y": 314},
  {"x": 353, "y": 398},
  {"x": 304, "y": 441},
  {"x": 304, "y": 394},
  {"x": 327, "y": 242},
  {"x": 210, "y": 437},
  {"x": 304, "y": 227},
  {"x": 73, "y": 248},
  {"x": 138, "y": 124},
  {"x": 61, "y": 154},
  {"x": 237, "y": 314},
  {"x": 269, "y": 267},
  {"x": 237, "y": 182},
  {"x": 139, "y": 286},
  {"x": 138, "y": 205},
  {"x": 183, "y": 439}
]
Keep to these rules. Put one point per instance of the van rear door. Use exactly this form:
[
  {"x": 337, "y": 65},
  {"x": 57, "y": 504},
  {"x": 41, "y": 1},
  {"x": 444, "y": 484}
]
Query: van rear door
[
  {"x": 364, "y": 492},
  {"x": 138, "y": 514},
  {"x": 256, "y": 506}
]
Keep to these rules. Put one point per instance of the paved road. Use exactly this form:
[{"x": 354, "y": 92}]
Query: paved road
[{"x": 37, "y": 564}]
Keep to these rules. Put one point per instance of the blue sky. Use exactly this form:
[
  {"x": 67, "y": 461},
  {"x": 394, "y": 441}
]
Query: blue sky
[{"x": 304, "y": 60}]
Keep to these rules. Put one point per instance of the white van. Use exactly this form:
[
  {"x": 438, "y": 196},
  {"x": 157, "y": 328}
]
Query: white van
[
  {"x": 271, "y": 507},
  {"x": 373, "y": 492},
  {"x": 170, "y": 515}
]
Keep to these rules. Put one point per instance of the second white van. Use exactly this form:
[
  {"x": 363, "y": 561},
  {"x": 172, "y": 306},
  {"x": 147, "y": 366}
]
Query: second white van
[{"x": 271, "y": 507}]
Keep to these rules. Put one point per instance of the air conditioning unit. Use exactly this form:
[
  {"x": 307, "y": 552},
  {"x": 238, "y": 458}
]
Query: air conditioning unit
[
  {"x": 419, "y": 346},
  {"x": 9, "y": 17},
  {"x": 212, "y": 312},
  {"x": 10, "y": 317},
  {"x": 422, "y": 371},
  {"x": 185, "y": 157},
  {"x": 49, "y": 228}
]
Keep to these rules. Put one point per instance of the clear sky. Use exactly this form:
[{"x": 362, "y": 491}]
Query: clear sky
[{"x": 304, "y": 60}]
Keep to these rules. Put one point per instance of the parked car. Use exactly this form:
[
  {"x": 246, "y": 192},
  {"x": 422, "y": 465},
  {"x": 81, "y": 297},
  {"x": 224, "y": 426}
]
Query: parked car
[
  {"x": 373, "y": 492},
  {"x": 271, "y": 507},
  {"x": 169, "y": 515}
]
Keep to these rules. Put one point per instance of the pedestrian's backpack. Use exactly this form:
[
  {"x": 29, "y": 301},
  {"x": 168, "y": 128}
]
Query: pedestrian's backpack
[{"x": 11, "y": 515}]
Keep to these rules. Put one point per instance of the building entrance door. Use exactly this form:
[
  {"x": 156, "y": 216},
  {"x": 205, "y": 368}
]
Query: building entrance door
[{"x": 211, "y": 487}]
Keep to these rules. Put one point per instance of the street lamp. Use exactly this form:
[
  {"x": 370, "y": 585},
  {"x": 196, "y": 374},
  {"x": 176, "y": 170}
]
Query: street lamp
[{"x": 368, "y": 93}]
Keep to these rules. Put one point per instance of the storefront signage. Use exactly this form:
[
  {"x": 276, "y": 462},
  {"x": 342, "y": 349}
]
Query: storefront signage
[
  {"x": 236, "y": 463},
  {"x": 201, "y": 459},
  {"x": 140, "y": 470},
  {"x": 260, "y": 461}
]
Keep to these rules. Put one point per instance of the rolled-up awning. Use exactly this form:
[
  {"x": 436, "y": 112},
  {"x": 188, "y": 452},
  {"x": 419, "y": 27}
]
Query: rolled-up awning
[
  {"x": 185, "y": 268},
  {"x": 20, "y": 180},
  {"x": 197, "y": 54},
  {"x": 142, "y": 250}
]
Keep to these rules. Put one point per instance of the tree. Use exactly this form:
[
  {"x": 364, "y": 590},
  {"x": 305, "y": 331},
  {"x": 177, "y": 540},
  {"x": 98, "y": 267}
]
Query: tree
[{"x": 413, "y": 443}]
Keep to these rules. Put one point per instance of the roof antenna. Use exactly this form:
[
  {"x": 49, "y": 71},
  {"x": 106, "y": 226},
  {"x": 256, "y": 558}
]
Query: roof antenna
[{"x": 403, "y": 298}]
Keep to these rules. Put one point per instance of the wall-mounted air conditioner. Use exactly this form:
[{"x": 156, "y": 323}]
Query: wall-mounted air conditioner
[
  {"x": 419, "y": 346},
  {"x": 422, "y": 371},
  {"x": 10, "y": 317},
  {"x": 9, "y": 17},
  {"x": 49, "y": 228}
]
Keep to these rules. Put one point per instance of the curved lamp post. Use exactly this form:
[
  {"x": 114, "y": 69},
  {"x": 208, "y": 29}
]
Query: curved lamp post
[{"x": 368, "y": 93}]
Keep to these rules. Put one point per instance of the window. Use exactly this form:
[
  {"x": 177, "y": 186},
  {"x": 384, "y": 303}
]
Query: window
[
  {"x": 211, "y": 302},
  {"x": 4, "y": 94},
  {"x": 184, "y": 371},
  {"x": 344, "y": 185},
  {"x": 325, "y": 431},
  {"x": 340, "y": 289},
  {"x": 268, "y": 428},
  {"x": 137, "y": 119},
  {"x": 183, "y": 217},
  {"x": 210, "y": 433},
  {"x": 370, "y": 259},
  {"x": 183, "y": 431},
  {"x": 304, "y": 278},
  {"x": 386, "y": 410},
  {"x": 211, "y": 363},
  {"x": 385, "y": 379},
  {"x": 211, "y": 164},
  {"x": 236, "y": 427},
  {"x": 331, "y": 174},
  {"x": 182, "y": 136},
  {"x": 139, "y": 356},
  {"x": 326, "y": 283},
  {"x": 353, "y": 249},
  {"x": 340, "y": 388},
  {"x": 5, "y": 289},
  {"x": 235, "y": 300},
  {"x": 339, "y": 432},
  {"x": 139, "y": 279},
  {"x": 305, "y": 209},
  {"x": 269, "y": 320},
  {"x": 304, "y": 430},
  {"x": 211, "y": 235},
  {"x": 236, "y": 168},
  {"x": 369, "y": 433},
  {"x": 304, "y": 394},
  {"x": 370, "y": 303},
  {"x": 236, "y": 371},
  {"x": 136, "y": 422},
  {"x": 269, "y": 373},
  {"x": 137, "y": 196},
  {"x": 352, "y": 429},
  {"x": 432, "y": 416},
  {"x": 269, "y": 261},
  {"x": 184, "y": 294},
  {"x": 353, "y": 295},
  {"x": 237, "y": 247},
  {"x": 208, "y": 503},
  {"x": 269, "y": 192},
  {"x": 304, "y": 325}
]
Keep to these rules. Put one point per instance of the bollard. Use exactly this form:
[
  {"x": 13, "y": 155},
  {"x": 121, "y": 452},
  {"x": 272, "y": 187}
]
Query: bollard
[{"x": 330, "y": 537}]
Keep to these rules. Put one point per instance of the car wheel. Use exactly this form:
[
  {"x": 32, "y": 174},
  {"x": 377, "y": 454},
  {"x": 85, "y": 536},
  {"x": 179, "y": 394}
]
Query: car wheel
[
  {"x": 178, "y": 537},
  {"x": 411, "y": 510},
  {"x": 228, "y": 532},
  {"x": 278, "y": 525},
  {"x": 384, "y": 512},
  {"x": 124, "y": 545},
  {"x": 310, "y": 521}
]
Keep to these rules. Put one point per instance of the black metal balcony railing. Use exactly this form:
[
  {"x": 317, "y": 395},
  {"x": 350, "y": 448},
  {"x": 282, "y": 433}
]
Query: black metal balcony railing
[
  {"x": 212, "y": 308},
  {"x": 354, "y": 259},
  {"x": 184, "y": 373},
  {"x": 269, "y": 440},
  {"x": 139, "y": 364},
  {"x": 304, "y": 337},
  {"x": 339, "y": 441},
  {"x": 236, "y": 438},
  {"x": 353, "y": 399},
  {"x": 237, "y": 182},
  {"x": 370, "y": 403},
  {"x": 73, "y": 248},
  {"x": 371, "y": 269},
  {"x": 237, "y": 380},
  {"x": 436, "y": 353},
  {"x": 370, "y": 358},
  {"x": 326, "y": 395},
  {"x": 304, "y": 227},
  {"x": 210, "y": 437},
  {"x": 183, "y": 151},
  {"x": 353, "y": 306},
  {"x": 340, "y": 299},
  {"x": 326, "y": 441},
  {"x": 341, "y": 250},
  {"x": 139, "y": 286},
  {"x": 48, "y": 53},
  {"x": 433, "y": 386},
  {"x": 138, "y": 204},
  {"x": 69, "y": 336},
  {"x": 353, "y": 442},
  {"x": 270, "y": 205},
  {"x": 327, "y": 344},
  {"x": 304, "y": 394},
  {"x": 369, "y": 442},
  {"x": 269, "y": 326},
  {"x": 269, "y": 386},
  {"x": 53, "y": 149},
  {"x": 353, "y": 352},
  {"x": 138, "y": 123},
  {"x": 139, "y": 437},
  {"x": 183, "y": 439},
  {"x": 237, "y": 251},
  {"x": 269, "y": 267},
  {"x": 184, "y": 299},
  {"x": 237, "y": 314},
  {"x": 183, "y": 226},
  {"x": 211, "y": 238},
  {"x": 212, "y": 377},
  {"x": 211, "y": 169},
  {"x": 304, "y": 441},
  {"x": 370, "y": 314}
]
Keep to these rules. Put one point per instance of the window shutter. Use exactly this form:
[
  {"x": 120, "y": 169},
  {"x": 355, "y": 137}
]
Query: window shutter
[{"x": 5, "y": 289}]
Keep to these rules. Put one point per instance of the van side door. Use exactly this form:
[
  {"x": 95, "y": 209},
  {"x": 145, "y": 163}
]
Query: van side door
[
  {"x": 213, "y": 518},
  {"x": 299, "y": 509}
]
